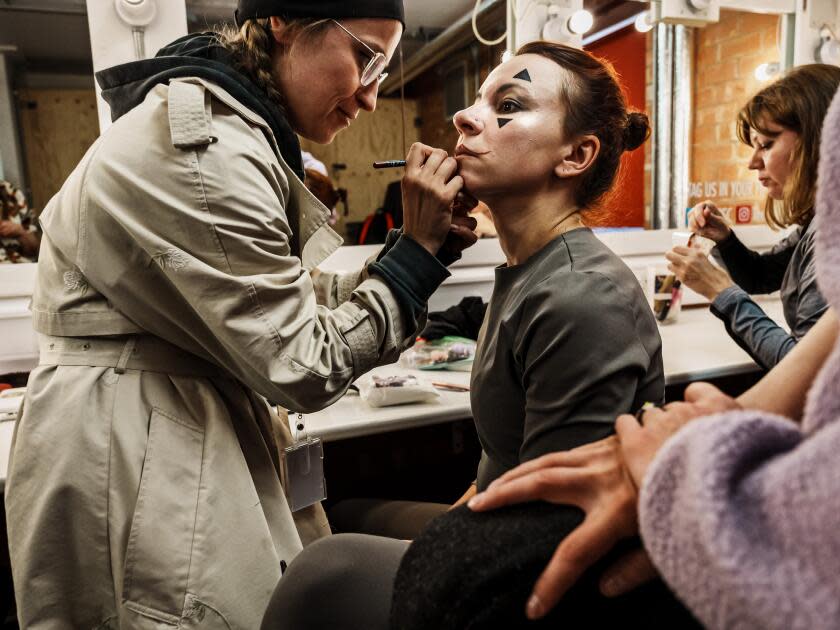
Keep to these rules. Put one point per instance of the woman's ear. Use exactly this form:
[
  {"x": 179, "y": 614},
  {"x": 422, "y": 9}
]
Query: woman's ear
[
  {"x": 578, "y": 157},
  {"x": 278, "y": 30}
]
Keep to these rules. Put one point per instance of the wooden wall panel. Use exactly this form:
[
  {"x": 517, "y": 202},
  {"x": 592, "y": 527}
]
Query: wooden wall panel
[
  {"x": 58, "y": 127},
  {"x": 372, "y": 137}
]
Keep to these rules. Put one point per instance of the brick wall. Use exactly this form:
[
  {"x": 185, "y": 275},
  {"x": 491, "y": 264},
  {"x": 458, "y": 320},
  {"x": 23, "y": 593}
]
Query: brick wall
[{"x": 726, "y": 56}]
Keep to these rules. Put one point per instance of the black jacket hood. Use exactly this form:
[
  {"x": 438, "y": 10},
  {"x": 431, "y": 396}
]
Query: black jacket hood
[{"x": 199, "y": 55}]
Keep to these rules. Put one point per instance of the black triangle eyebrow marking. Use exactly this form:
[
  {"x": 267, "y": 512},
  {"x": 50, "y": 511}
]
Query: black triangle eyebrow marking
[
  {"x": 503, "y": 121},
  {"x": 523, "y": 75}
]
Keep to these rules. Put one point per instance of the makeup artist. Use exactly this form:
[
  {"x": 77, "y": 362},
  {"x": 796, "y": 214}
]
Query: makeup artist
[{"x": 174, "y": 298}]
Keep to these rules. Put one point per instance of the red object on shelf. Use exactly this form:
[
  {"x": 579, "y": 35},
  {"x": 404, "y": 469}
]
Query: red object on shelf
[{"x": 4, "y": 386}]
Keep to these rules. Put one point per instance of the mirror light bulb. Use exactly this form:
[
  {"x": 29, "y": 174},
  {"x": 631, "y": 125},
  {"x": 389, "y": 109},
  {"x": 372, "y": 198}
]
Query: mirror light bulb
[
  {"x": 580, "y": 22},
  {"x": 767, "y": 71},
  {"x": 643, "y": 22}
]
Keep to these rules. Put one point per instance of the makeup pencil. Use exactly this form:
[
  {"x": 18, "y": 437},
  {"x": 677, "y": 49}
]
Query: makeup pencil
[{"x": 389, "y": 164}]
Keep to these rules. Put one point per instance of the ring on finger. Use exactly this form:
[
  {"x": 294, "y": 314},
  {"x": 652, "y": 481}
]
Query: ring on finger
[{"x": 640, "y": 414}]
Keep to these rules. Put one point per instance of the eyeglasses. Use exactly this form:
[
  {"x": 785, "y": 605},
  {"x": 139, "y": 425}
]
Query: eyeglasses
[{"x": 374, "y": 70}]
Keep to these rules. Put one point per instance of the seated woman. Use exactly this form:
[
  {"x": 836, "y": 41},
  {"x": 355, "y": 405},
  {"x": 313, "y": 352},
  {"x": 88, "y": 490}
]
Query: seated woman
[
  {"x": 569, "y": 341},
  {"x": 782, "y": 123}
]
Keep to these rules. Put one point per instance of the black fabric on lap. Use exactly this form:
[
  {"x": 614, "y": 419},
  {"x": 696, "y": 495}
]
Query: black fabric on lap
[{"x": 475, "y": 571}]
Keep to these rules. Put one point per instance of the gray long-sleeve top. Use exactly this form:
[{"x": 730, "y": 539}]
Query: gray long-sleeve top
[
  {"x": 568, "y": 343},
  {"x": 789, "y": 268}
]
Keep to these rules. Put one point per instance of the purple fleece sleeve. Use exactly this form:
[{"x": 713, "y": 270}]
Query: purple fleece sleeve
[{"x": 740, "y": 513}]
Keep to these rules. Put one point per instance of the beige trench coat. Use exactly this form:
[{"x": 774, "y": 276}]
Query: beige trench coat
[{"x": 174, "y": 300}]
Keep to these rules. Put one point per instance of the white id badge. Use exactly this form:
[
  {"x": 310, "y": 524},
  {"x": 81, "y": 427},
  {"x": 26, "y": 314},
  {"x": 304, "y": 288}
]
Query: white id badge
[{"x": 303, "y": 471}]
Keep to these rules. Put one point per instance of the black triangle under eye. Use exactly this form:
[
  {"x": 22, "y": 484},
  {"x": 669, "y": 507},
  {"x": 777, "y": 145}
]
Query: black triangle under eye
[
  {"x": 523, "y": 75},
  {"x": 503, "y": 121}
]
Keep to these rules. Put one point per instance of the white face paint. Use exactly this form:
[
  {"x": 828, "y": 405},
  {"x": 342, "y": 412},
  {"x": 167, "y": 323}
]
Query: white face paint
[{"x": 512, "y": 137}]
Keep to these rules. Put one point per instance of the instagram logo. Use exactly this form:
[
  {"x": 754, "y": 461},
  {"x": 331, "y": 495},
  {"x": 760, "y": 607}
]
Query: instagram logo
[{"x": 743, "y": 214}]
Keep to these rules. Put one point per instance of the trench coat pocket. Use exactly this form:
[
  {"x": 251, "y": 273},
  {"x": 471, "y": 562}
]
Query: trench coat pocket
[{"x": 161, "y": 537}]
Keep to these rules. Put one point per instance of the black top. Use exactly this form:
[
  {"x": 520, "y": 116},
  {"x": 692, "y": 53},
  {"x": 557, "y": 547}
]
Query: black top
[
  {"x": 790, "y": 268},
  {"x": 568, "y": 344}
]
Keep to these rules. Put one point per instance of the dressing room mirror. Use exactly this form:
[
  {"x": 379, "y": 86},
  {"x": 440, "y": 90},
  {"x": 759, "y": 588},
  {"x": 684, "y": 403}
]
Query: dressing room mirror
[{"x": 693, "y": 153}]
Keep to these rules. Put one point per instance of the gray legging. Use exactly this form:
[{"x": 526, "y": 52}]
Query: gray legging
[{"x": 340, "y": 582}]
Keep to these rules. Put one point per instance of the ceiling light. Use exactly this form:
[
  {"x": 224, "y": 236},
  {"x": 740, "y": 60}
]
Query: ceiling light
[{"x": 136, "y": 13}]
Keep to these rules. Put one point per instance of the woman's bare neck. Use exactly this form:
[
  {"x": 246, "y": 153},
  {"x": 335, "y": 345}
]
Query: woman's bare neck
[{"x": 527, "y": 224}]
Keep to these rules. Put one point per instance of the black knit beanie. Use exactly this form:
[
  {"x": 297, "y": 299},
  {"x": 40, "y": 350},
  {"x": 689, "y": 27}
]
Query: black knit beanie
[{"x": 323, "y": 9}]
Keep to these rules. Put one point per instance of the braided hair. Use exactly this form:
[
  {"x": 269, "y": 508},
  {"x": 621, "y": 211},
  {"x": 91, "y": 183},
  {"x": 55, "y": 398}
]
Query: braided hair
[{"x": 253, "y": 45}]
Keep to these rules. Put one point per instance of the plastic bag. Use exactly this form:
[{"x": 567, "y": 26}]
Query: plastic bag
[
  {"x": 384, "y": 391},
  {"x": 448, "y": 353}
]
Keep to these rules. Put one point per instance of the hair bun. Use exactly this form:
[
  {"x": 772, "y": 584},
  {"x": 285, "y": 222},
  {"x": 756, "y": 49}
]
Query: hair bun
[{"x": 636, "y": 131}]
